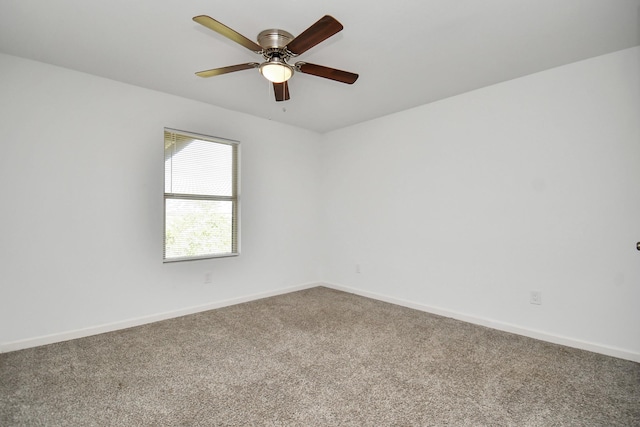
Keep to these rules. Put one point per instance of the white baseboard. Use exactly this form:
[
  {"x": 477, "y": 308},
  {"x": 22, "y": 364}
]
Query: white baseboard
[
  {"x": 110, "y": 327},
  {"x": 490, "y": 323}
]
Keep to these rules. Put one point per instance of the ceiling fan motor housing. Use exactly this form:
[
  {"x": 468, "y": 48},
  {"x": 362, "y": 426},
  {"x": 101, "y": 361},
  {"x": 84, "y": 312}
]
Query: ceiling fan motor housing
[{"x": 274, "y": 39}]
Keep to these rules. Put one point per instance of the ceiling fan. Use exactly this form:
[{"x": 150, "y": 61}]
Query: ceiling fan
[{"x": 277, "y": 47}]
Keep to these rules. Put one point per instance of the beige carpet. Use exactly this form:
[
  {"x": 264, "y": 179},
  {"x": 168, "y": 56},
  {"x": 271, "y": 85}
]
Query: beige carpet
[{"x": 317, "y": 357}]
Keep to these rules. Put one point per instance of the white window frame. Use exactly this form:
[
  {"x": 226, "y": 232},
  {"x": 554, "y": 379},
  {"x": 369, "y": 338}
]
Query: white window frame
[{"x": 234, "y": 198}]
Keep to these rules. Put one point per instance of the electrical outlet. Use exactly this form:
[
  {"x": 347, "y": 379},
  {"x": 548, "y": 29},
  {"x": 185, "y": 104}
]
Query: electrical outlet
[
  {"x": 207, "y": 278},
  {"x": 535, "y": 297},
  {"x": 358, "y": 268}
]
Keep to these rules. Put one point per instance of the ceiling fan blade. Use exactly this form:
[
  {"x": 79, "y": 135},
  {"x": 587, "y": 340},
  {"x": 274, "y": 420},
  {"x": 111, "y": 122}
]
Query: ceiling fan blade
[
  {"x": 219, "y": 27},
  {"x": 281, "y": 90},
  {"x": 327, "y": 72},
  {"x": 225, "y": 70},
  {"x": 324, "y": 28}
]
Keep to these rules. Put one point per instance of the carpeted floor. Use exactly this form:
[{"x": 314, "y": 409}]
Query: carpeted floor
[{"x": 317, "y": 357}]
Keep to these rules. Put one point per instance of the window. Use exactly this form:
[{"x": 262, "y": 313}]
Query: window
[{"x": 200, "y": 196}]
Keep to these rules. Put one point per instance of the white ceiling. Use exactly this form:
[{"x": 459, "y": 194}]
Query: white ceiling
[{"x": 407, "y": 52}]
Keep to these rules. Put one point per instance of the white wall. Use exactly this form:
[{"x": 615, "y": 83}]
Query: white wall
[
  {"x": 460, "y": 207},
  {"x": 81, "y": 168},
  {"x": 464, "y": 206}
]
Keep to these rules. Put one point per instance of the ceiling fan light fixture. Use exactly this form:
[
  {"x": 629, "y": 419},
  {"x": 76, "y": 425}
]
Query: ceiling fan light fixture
[{"x": 276, "y": 70}]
